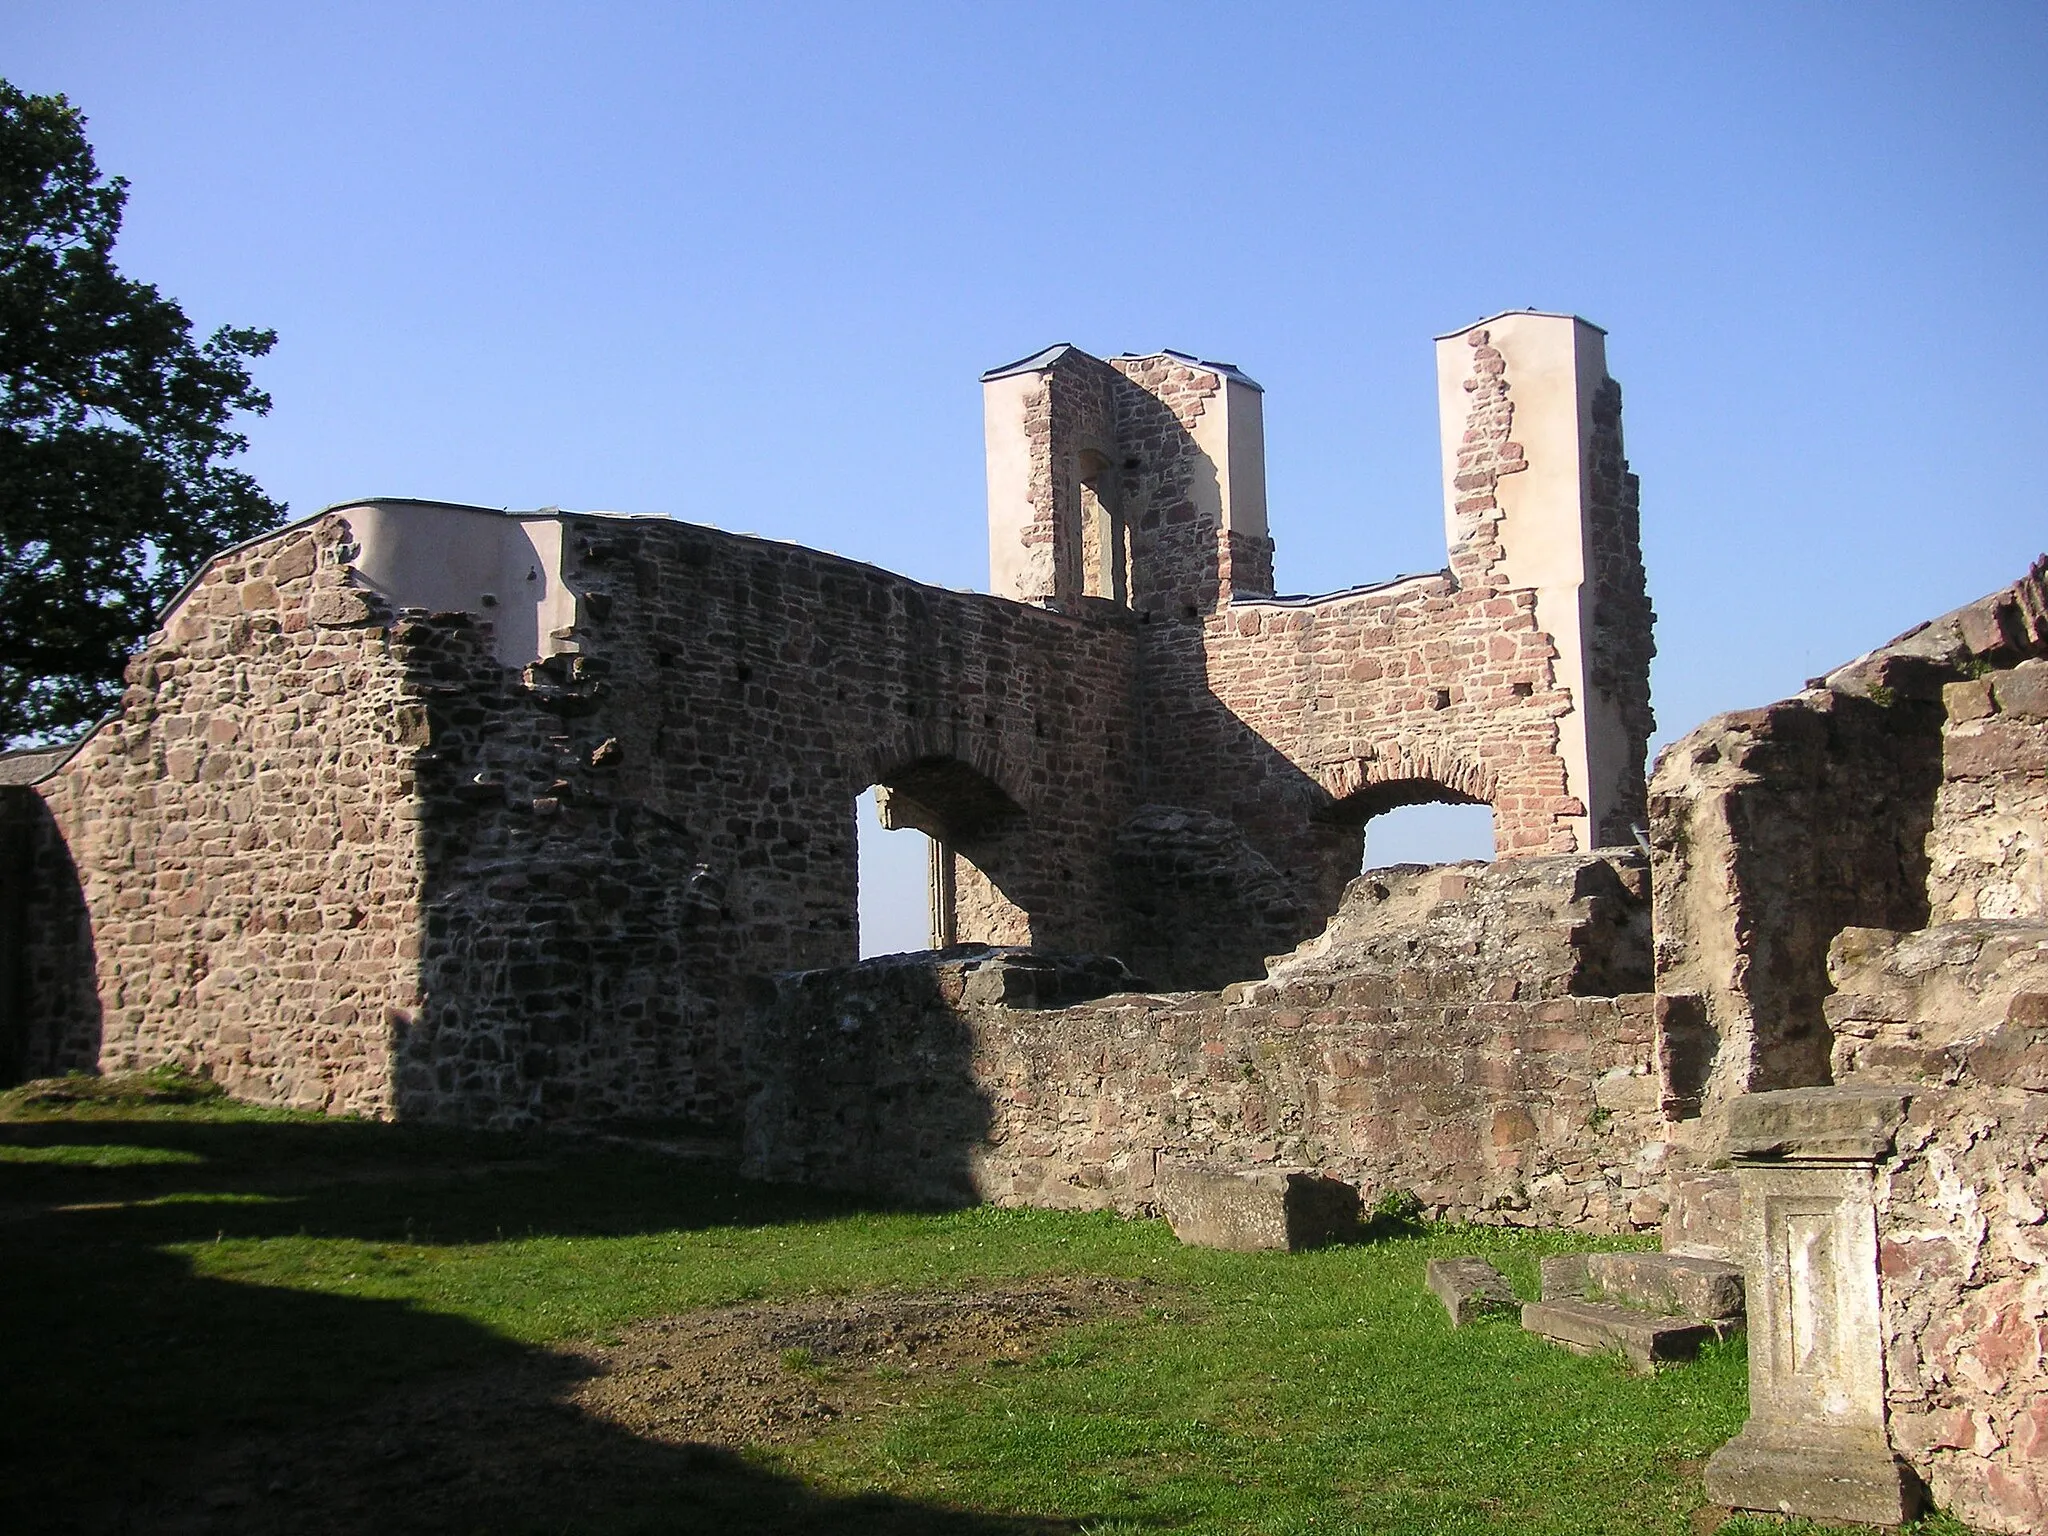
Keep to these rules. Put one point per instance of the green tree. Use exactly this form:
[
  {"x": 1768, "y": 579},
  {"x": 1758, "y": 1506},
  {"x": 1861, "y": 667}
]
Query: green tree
[{"x": 113, "y": 426}]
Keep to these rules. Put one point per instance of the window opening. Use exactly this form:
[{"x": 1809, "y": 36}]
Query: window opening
[{"x": 1429, "y": 834}]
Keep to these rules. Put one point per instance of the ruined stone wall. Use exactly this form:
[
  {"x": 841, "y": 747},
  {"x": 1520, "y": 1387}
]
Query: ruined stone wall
[
  {"x": 1528, "y": 1113},
  {"x": 244, "y": 836},
  {"x": 1988, "y": 850},
  {"x": 1434, "y": 1042},
  {"x": 1775, "y": 829},
  {"x": 1620, "y": 631},
  {"x": 1297, "y": 722},
  {"x": 349, "y": 859},
  {"x": 1958, "y": 1015}
]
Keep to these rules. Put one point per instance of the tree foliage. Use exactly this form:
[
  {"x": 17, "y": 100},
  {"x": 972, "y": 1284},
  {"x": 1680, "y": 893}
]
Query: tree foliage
[{"x": 113, "y": 426}]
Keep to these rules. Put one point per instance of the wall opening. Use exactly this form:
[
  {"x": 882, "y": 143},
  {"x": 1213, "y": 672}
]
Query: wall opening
[
  {"x": 1429, "y": 833},
  {"x": 1105, "y": 563},
  {"x": 894, "y": 904},
  {"x": 944, "y": 854}
]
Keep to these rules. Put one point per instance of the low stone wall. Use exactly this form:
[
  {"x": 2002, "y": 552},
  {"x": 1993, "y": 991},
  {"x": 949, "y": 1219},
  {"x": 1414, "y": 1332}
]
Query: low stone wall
[{"x": 920, "y": 1081}]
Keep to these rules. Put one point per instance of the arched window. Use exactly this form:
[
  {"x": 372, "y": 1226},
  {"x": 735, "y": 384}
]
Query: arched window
[{"x": 1431, "y": 832}]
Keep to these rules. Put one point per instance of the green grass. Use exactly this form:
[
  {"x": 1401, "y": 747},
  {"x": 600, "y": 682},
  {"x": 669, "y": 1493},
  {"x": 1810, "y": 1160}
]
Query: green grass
[{"x": 183, "y": 1272}]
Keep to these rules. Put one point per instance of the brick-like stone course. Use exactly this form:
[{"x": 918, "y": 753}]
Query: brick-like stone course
[
  {"x": 1987, "y": 850},
  {"x": 244, "y": 836}
]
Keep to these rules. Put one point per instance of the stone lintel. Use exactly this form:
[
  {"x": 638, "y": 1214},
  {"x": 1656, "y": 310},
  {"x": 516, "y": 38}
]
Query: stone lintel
[
  {"x": 1842, "y": 1475},
  {"x": 1852, "y": 1124}
]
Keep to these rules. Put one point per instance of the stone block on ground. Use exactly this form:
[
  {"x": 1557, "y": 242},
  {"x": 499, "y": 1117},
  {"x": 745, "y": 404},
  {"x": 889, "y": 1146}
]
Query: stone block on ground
[
  {"x": 1469, "y": 1289},
  {"x": 1267, "y": 1208},
  {"x": 1843, "y": 1476},
  {"x": 1599, "y": 1328},
  {"x": 1564, "y": 1276},
  {"x": 1668, "y": 1284}
]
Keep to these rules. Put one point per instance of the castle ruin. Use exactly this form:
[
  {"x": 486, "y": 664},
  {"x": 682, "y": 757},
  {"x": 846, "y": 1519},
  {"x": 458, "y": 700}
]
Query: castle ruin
[{"x": 423, "y": 811}]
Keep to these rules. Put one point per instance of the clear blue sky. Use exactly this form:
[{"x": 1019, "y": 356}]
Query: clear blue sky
[{"x": 742, "y": 263}]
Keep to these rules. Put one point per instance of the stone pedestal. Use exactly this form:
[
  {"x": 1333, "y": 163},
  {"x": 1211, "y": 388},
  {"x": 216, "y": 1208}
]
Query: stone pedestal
[{"x": 1816, "y": 1442}]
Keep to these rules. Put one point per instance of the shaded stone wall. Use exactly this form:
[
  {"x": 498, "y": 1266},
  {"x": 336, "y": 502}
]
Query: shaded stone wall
[
  {"x": 1621, "y": 639},
  {"x": 1439, "y": 1040},
  {"x": 347, "y": 859}
]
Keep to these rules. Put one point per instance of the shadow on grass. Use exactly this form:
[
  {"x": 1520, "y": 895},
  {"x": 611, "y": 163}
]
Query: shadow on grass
[{"x": 143, "y": 1397}]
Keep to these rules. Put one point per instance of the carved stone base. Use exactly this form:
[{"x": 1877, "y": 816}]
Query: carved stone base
[{"x": 1823, "y": 1476}]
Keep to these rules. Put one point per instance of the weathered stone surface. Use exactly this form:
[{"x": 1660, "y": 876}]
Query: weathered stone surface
[
  {"x": 1600, "y": 1328},
  {"x": 1825, "y": 1477},
  {"x": 1703, "y": 1216},
  {"x": 1667, "y": 1284},
  {"x": 1469, "y": 1289},
  {"x": 1854, "y": 1124},
  {"x": 1255, "y": 1209},
  {"x": 1774, "y": 829},
  {"x": 1563, "y": 1276},
  {"x": 1988, "y": 848},
  {"x": 1570, "y": 925},
  {"x": 1485, "y": 1111},
  {"x": 1940, "y": 1003}
]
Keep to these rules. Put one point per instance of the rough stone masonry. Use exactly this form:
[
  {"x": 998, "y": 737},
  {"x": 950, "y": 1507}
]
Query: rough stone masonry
[{"x": 423, "y": 810}]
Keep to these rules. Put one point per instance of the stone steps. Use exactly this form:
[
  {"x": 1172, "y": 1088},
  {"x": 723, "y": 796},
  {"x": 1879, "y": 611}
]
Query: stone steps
[
  {"x": 1662, "y": 1284},
  {"x": 1601, "y": 1328},
  {"x": 1652, "y": 1309}
]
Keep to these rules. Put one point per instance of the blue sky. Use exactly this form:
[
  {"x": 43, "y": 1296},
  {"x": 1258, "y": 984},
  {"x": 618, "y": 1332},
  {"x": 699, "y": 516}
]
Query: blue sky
[{"x": 743, "y": 263}]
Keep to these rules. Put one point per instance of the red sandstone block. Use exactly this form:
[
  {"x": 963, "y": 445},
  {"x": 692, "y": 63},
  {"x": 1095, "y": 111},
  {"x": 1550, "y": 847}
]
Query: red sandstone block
[
  {"x": 2023, "y": 691},
  {"x": 1995, "y": 747}
]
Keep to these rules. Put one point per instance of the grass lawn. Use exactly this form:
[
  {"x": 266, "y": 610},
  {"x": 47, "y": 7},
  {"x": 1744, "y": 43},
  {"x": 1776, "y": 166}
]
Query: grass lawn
[{"x": 223, "y": 1318}]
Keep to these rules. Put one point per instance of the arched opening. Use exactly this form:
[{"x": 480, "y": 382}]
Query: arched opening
[
  {"x": 1419, "y": 821},
  {"x": 1429, "y": 832},
  {"x": 942, "y": 848}
]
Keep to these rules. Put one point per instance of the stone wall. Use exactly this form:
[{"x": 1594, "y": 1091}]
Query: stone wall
[
  {"x": 345, "y": 858},
  {"x": 1958, "y": 1016},
  {"x": 1988, "y": 849},
  {"x": 1775, "y": 829},
  {"x": 346, "y": 845},
  {"x": 245, "y": 838},
  {"x": 1438, "y": 1041}
]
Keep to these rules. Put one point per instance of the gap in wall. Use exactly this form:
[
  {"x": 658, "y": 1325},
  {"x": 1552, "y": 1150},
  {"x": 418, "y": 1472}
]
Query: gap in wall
[
  {"x": 1429, "y": 834},
  {"x": 895, "y": 870}
]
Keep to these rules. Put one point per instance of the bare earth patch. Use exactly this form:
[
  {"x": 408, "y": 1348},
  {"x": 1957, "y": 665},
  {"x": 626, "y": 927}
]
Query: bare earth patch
[
  {"x": 775, "y": 1373},
  {"x": 652, "y": 1418}
]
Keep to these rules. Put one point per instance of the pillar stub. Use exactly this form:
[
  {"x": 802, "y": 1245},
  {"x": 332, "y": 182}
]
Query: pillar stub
[{"x": 1816, "y": 1442}]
